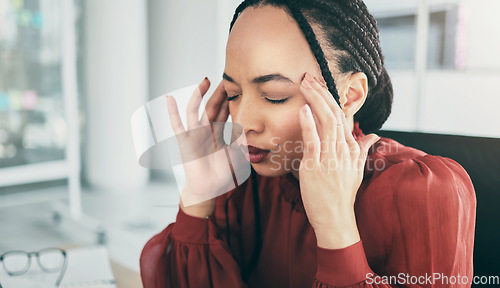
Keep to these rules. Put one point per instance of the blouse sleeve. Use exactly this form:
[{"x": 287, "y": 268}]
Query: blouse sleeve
[
  {"x": 418, "y": 230},
  {"x": 189, "y": 253}
]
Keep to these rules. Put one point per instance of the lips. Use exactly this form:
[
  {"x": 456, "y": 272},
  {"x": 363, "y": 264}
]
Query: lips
[
  {"x": 255, "y": 150},
  {"x": 257, "y": 155}
]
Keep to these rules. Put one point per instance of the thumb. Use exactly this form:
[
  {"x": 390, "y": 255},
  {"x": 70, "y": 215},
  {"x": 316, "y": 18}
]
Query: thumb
[{"x": 365, "y": 143}]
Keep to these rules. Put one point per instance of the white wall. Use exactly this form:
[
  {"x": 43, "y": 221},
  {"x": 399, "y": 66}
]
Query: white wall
[
  {"x": 462, "y": 103},
  {"x": 453, "y": 102},
  {"x": 187, "y": 41},
  {"x": 388, "y": 7},
  {"x": 403, "y": 113},
  {"x": 483, "y": 35},
  {"x": 116, "y": 85}
]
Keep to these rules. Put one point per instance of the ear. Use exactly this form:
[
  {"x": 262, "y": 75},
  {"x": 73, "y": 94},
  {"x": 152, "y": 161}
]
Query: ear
[{"x": 354, "y": 93}]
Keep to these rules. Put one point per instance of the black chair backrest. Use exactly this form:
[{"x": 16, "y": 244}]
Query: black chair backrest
[{"x": 480, "y": 157}]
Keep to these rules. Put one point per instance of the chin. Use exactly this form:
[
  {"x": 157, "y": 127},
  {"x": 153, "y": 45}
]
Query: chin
[{"x": 267, "y": 170}]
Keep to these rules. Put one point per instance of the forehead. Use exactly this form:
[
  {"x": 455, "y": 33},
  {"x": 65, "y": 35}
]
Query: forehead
[{"x": 267, "y": 40}]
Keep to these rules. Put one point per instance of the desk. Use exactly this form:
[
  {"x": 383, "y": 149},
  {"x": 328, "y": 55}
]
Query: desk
[{"x": 125, "y": 277}]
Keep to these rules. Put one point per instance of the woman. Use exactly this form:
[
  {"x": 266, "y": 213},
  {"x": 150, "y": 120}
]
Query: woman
[{"x": 326, "y": 205}]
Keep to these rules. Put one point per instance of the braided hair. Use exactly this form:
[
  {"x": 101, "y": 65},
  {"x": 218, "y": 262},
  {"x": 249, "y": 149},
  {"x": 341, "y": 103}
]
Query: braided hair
[{"x": 352, "y": 39}]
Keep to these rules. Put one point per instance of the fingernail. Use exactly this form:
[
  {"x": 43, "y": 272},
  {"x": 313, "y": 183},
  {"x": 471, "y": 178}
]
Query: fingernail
[
  {"x": 306, "y": 84},
  {"x": 306, "y": 110},
  {"x": 310, "y": 78},
  {"x": 168, "y": 100},
  {"x": 321, "y": 83}
]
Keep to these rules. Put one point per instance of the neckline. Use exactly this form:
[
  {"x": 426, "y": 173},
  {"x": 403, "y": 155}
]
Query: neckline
[{"x": 290, "y": 186}]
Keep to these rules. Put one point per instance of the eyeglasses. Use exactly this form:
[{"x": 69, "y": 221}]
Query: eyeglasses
[{"x": 50, "y": 260}]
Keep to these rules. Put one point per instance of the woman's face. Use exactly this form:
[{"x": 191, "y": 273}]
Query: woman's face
[{"x": 266, "y": 59}]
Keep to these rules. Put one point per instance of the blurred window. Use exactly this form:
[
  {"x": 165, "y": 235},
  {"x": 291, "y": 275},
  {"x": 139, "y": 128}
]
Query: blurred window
[{"x": 398, "y": 36}]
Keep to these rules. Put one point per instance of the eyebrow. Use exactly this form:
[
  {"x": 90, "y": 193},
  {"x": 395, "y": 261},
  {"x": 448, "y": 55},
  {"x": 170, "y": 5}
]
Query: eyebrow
[{"x": 263, "y": 79}]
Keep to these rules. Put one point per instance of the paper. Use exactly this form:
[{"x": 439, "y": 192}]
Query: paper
[{"x": 88, "y": 266}]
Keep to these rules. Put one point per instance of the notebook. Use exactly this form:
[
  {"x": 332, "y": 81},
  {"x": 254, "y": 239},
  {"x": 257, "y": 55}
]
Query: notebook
[{"x": 88, "y": 267}]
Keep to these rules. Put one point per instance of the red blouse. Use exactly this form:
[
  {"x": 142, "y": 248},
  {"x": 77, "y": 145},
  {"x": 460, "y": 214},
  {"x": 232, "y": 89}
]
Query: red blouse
[{"x": 415, "y": 215}]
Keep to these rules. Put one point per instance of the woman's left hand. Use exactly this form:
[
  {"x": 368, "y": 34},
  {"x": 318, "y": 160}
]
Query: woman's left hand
[{"x": 332, "y": 167}]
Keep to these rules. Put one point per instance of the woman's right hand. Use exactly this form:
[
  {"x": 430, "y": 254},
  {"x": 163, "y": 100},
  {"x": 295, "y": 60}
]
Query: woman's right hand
[{"x": 205, "y": 170}]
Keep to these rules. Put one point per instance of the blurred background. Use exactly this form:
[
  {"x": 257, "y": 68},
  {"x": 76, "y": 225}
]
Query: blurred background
[{"x": 72, "y": 72}]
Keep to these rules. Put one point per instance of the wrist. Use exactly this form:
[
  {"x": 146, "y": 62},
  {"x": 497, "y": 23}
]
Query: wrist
[
  {"x": 328, "y": 240},
  {"x": 201, "y": 210},
  {"x": 337, "y": 234}
]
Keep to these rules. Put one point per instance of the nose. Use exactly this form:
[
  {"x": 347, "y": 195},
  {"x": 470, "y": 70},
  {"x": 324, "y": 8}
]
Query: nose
[{"x": 248, "y": 115}]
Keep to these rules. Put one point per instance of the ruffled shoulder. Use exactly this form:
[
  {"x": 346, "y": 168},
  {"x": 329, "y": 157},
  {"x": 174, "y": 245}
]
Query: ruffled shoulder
[{"x": 409, "y": 175}]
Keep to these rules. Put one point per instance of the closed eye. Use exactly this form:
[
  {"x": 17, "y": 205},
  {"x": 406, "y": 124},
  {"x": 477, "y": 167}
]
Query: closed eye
[
  {"x": 267, "y": 99},
  {"x": 276, "y": 101},
  {"x": 232, "y": 98}
]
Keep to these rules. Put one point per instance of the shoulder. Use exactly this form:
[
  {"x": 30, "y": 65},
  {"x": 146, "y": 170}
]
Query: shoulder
[
  {"x": 409, "y": 174},
  {"x": 386, "y": 153},
  {"x": 412, "y": 191}
]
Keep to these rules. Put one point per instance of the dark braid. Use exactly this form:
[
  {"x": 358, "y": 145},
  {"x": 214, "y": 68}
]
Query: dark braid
[
  {"x": 316, "y": 49},
  {"x": 354, "y": 7},
  {"x": 352, "y": 31},
  {"x": 340, "y": 19}
]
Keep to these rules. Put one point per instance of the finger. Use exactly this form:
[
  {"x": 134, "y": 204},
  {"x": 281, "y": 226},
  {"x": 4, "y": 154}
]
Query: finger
[
  {"x": 215, "y": 102},
  {"x": 353, "y": 144},
  {"x": 341, "y": 131},
  {"x": 364, "y": 145},
  {"x": 175, "y": 118},
  {"x": 341, "y": 144},
  {"x": 223, "y": 112},
  {"x": 327, "y": 122},
  {"x": 217, "y": 124},
  {"x": 310, "y": 137},
  {"x": 194, "y": 104},
  {"x": 325, "y": 93}
]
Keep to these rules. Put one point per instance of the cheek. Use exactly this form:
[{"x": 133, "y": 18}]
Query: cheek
[
  {"x": 232, "y": 110},
  {"x": 286, "y": 126}
]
